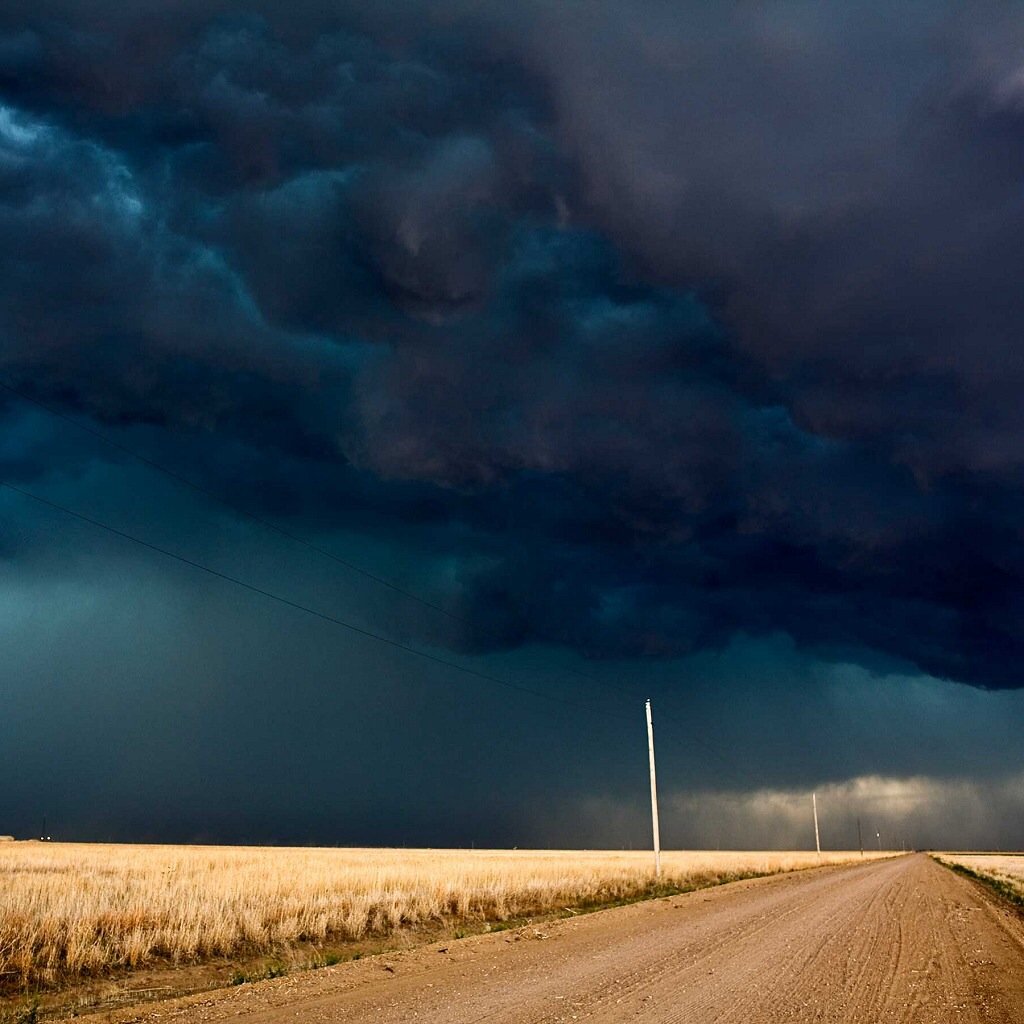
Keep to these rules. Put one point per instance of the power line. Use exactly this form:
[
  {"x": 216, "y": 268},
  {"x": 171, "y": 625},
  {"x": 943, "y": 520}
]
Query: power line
[
  {"x": 268, "y": 524},
  {"x": 213, "y": 496},
  {"x": 326, "y": 617},
  {"x": 241, "y": 510},
  {"x": 694, "y": 737},
  {"x": 182, "y": 480}
]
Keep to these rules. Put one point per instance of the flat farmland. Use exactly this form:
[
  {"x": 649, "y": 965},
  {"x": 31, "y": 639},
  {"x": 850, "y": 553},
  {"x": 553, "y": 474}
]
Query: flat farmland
[
  {"x": 1005, "y": 869},
  {"x": 75, "y": 911}
]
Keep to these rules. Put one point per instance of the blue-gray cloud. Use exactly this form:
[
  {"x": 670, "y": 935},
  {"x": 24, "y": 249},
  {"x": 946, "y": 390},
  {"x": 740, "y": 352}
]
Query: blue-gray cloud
[{"x": 647, "y": 326}]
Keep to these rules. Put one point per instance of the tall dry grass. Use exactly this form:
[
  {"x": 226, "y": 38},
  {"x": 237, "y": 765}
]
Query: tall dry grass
[{"x": 72, "y": 910}]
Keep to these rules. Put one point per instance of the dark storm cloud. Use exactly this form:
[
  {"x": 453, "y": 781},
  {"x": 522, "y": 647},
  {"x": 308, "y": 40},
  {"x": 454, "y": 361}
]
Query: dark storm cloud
[
  {"x": 849, "y": 180},
  {"x": 657, "y": 323}
]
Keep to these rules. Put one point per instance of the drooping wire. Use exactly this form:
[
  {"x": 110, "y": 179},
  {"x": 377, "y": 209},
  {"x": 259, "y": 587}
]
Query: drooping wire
[
  {"x": 219, "y": 499},
  {"x": 298, "y": 606},
  {"x": 268, "y": 524},
  {"x": 246, "y": 513}
]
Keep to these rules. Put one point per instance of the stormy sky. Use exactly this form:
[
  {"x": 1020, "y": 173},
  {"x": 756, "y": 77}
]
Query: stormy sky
[{"x": 579, "y": 352}]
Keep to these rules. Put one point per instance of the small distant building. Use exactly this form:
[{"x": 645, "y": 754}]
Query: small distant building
[{"x": 6, "y": 839}]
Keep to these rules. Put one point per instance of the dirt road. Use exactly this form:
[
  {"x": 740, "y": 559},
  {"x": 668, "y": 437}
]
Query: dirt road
[{"x": 901, "y": 940}]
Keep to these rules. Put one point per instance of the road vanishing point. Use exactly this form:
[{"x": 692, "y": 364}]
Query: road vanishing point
[{"x": 901, "y": 940}]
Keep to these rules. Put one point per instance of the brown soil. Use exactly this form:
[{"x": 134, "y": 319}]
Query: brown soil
[{"x": 902, "y": 940}]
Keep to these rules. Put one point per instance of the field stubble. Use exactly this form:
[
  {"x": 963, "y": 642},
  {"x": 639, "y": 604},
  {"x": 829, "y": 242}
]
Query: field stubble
[{"x": 74, "y": 911}]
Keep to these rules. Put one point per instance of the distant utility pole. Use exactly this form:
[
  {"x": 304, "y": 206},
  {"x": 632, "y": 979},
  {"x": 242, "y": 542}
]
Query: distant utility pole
[
  {"x": 817, "y": 837},
  {"x": 860, "y": 838},
  {"x": 878, "y": 836},
  {"x": 654, "y": 794}
]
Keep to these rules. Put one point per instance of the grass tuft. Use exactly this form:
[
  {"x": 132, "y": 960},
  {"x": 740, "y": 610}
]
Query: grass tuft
[
  {"x": 27, "y": 1013},
  {"x": 276, "y": 969}
]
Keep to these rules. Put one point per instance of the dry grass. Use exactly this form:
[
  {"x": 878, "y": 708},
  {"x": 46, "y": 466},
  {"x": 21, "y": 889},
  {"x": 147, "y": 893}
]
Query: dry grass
[
  {"x": 70, "y": 911},
  {"x": 1005, "y": 869}
]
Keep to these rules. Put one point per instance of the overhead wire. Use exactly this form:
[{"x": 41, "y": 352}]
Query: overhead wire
[
  {"x": 239, "y": 509},
  {"x": 297, "y": 605},
  {"x": 255, "y": 517}
]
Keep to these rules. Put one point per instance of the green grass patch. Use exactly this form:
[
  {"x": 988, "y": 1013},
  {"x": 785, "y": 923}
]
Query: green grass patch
[
  {"x": 328, "y": 959},
  {"x": 274, "y": 969}
]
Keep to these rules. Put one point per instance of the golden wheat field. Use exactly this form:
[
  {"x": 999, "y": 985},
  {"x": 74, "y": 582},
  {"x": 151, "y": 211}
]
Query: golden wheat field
[
  {"x": 75, "y": 910},
  {"x": 1003, "y": 867}
]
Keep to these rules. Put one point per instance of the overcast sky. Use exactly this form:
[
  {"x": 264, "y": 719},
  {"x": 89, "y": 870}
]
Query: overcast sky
[{"x": 592, "y": 350}]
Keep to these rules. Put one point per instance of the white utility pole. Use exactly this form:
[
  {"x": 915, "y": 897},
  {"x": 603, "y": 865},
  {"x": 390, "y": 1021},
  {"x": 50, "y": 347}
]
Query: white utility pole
[
  {"x": 817, "y": 838},
  {"x": 654, "y": 794}
]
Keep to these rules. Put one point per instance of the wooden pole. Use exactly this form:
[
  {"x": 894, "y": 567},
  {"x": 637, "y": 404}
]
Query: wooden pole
[
  {"x": 654, "y": 794},
  {"x": 817, "y": 837}
]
